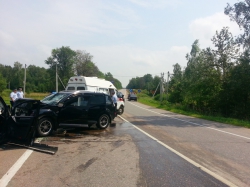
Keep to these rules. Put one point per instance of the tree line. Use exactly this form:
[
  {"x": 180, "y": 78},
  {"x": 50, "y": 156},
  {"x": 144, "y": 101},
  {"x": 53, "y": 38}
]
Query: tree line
[
  {"x": 38, "y": 79},
  {"x": 147, "y": 82},
  {"x": 215, "y": 81}
]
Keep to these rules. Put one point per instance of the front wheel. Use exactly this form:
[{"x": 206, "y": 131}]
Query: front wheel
[
  {"x": 103, "y": 121},
  {"x": 44, "y": 127}
]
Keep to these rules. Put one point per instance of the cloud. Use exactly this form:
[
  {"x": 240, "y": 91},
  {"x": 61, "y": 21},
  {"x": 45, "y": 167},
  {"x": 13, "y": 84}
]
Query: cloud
[
  {"x": 205, "y": 28},
  {"x": 34, "y": 28}
]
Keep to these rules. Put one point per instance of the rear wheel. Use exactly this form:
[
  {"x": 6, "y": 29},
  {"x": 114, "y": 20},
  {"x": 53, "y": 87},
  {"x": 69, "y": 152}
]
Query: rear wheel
[
  {"x": 103, "y": 121},
  {"x": 121, "y": 110},
  {"x": 44, "y": 127}
]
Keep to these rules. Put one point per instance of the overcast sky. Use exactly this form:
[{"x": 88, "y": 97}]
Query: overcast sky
[{"x": 127, "y": 38}]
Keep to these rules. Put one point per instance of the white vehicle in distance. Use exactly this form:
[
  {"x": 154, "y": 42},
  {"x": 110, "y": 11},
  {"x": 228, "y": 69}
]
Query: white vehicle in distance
[{"x": 98, "y": 85}]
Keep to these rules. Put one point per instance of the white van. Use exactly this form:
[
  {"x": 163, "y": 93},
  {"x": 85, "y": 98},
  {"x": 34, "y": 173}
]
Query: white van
[{"x": 95, "y": 84}]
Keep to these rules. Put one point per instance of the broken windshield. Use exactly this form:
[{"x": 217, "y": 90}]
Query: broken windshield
[{"x": 54, "y": 98}]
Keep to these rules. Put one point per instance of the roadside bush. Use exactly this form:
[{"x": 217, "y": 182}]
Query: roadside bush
[
  {"x": 144, "y": 92},
  {"x": 141, "y": 95},
  {"x": 6, "y": 93},
  {"x": 157, "y": 97}
]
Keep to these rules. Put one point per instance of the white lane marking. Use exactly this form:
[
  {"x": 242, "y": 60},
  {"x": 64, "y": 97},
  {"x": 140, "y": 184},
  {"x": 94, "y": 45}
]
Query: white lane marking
[
  {"x": 184, "y": 157},
  {"x": 12, "y": 171},
  {"x": 193, "y": 123}
]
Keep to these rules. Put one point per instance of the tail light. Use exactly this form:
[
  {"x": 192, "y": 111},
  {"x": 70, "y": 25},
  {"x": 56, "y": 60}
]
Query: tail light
[{"x": 120, "y": 99}]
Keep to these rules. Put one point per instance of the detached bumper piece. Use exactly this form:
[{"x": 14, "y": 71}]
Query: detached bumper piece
[{"x": 43, "y": 148}]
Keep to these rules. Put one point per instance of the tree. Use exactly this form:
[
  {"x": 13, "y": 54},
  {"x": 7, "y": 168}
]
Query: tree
[
  {"x": 200, "y": 81},
  {"x": 194, "y": 51},
  {"x": 6, "y": 72},
  {"x": 226, "y": 51},
  {"x": 175, "y": 85},
  {"x": 84, "y": 65},
  {"x": 36, "y": 83},
  {"x": 235, "y": 96},
  {"x": 17, "y": 76},
  {"x": 108, "y": 76},
  {"x": 12, "y": 75},
  {"x": 63, "y": 58},
  {"x": 3, "y": 83},
  {"x": 240, "y": 13}
]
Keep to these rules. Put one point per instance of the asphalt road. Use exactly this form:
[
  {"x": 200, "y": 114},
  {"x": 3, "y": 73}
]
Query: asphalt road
[
  {"x": 220, "y": 148},
  {"x": 145, "y": 147}
]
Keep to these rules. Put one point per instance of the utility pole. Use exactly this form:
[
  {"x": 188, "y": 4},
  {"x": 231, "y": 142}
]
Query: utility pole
[
  {"x": 56, "y": 79},
  {"x": 167, "y": 84},
  {"x": 24, "y": 82},
  {"x": 161, "y": 87},
  {"x": 156, "y": 89}
]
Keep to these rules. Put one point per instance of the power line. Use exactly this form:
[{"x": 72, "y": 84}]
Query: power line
[{"x": 137, "y": 75}]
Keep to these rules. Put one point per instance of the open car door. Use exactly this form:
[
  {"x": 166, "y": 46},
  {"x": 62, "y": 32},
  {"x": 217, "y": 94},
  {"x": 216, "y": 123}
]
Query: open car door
[
  {"x": 4, "y": 115},
  {"x": 23, "y": 120},
  {"x": 18, "y": 126}
]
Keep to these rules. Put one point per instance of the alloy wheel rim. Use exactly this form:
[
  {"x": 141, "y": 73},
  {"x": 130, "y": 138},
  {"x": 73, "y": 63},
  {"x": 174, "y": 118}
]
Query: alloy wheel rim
[
  {"x": 45, "y": 127},
  {"x": 104, "y": 121}
]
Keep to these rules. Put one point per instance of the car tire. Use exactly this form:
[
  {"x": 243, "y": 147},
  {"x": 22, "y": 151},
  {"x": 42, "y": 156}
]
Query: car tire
[
  {"x": 103, "y": 121},
  {"x": 44, "y": 127},
  {"x": 121, "y": 110}
]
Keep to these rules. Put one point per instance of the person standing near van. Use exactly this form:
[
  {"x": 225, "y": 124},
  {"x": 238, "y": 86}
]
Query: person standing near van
[
  {"x": 13, "y": 97},
  {"x": 114, "y": 99},
  {"x": 20, "y": 93}
]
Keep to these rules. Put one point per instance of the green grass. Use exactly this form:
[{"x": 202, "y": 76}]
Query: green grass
[{"x": 181, "y": 110}]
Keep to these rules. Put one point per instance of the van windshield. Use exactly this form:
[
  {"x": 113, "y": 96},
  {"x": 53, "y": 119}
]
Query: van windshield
[{"x": 53, "y": 99}]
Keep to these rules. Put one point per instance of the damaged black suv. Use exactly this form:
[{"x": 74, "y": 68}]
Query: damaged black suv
[
  {"x": 75, "y": 108},
  {"x": 65, "y": 108}
]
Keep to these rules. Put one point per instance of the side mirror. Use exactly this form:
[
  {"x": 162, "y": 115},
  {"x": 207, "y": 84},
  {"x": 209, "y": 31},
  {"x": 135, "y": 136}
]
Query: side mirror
[{"x": 60, "y": 105}]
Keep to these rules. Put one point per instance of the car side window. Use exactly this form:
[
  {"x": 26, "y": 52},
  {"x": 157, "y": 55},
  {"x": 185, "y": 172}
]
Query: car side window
[
  {"x": 78, "y": 100},
  {"x": 84, "y": 100},
  {"x": 97, "y": 100},
  {"x": 71, "y": 101},
  {"x": 108, "y": 100},
  {"x": 25, "y": 109}
]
